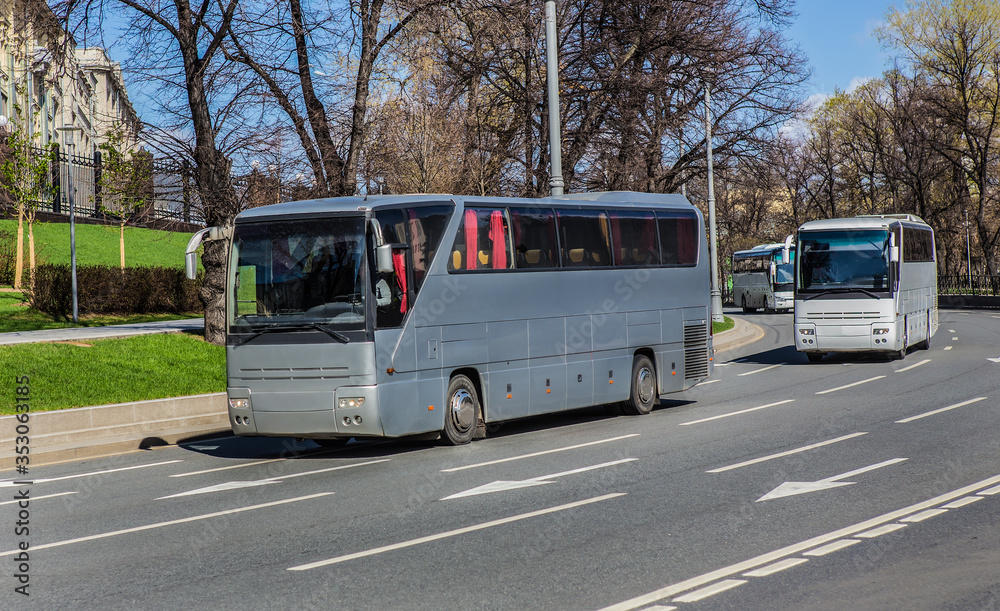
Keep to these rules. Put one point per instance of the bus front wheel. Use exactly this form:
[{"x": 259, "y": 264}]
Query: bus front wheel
[
  {"x": 643, "y": 394},
  {"x": 461, "y": 412}
]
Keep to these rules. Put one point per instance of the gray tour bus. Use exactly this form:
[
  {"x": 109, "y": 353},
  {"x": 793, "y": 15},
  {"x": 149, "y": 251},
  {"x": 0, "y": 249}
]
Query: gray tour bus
[{"x": 386, "y": 316}]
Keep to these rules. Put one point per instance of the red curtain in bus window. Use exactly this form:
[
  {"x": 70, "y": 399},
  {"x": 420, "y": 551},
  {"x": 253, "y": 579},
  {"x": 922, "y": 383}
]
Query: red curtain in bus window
[
  {"x": 399, "y": 264},
  {"x": 499, "y": 240},
  {"x": 471, "y": 240},
  {"x": 616, "y": 234},
  {"x": 687, "y": 241}
]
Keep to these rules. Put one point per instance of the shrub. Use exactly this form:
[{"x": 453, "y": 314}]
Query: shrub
[
  {"x": 8, "y": 254},
  {"x": 104, "y": 289}
]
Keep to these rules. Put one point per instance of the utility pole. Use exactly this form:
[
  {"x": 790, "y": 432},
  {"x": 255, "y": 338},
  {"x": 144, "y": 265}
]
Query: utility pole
[
  {"x": 716, "y": 295},
  {"x": 552, "y": 79}
]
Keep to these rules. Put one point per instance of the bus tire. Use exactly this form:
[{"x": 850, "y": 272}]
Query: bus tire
[
  {"x": 462, "y": 412},
  {"x": 643, "y": 393}
]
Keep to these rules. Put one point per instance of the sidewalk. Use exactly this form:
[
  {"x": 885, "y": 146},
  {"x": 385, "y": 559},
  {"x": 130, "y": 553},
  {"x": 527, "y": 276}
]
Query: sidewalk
[
  {"x": 87, "y": 432},
  {"x": 112, "y": 331}
]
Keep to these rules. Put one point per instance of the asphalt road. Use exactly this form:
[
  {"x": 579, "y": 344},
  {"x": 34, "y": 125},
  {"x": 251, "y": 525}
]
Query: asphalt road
[{"x": 853, "y": 483}]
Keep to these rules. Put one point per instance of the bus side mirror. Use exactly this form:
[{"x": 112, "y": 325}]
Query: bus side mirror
[
  {"x": 383, "y": 259},
  {"x": 894, "y": 254},
  {"x": 786, "y": 256}
]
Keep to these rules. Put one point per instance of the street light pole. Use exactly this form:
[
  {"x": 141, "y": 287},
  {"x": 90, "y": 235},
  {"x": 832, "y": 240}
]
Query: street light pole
[
  {"x": 552, "y": 79},
  {"x": 68, "y": 135},
  {"x": 968, "y": 250},
  {"x": 716, "y": 294}
]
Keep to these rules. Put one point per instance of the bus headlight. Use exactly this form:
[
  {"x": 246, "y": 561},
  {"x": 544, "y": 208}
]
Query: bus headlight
[
  {"x": 239, "y": 403},
  {"x": 351, "y": 402},
  {"x": 880, "y": 331}
]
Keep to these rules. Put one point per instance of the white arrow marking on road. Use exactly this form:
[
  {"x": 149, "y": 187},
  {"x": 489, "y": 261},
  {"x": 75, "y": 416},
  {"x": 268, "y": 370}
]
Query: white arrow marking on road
[
  {"x": 793, "y": 488},
  {"x": 994, "y": 360},
  {"x": 502, "y": 485}
]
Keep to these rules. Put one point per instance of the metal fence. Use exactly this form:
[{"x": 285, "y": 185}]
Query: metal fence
[{"x": 965, "y": 284}]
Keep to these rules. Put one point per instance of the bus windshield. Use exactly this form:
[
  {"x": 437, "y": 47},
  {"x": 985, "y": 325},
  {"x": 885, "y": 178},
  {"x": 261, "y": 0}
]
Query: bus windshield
[
  {"x": 298, "y": 274},
  {"x": 842, "y": 260},
  {"x": 784, "y": 273}
]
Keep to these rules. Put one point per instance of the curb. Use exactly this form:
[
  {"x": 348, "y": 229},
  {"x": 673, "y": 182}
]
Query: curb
[
  {"x": 86, "y": 432},
  {"x": 742, "y": 334}
]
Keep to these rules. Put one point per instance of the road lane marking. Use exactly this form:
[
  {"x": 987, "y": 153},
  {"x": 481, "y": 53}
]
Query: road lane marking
[
  {"x": 939, "y": 411},
  {"x": 453, "y": 533},
  {"x": 829, "y": 548},
  {"x": 786, "y": 453},
  {"x": 947, "y": 348},
  {"x": 881, "y": 530},
  {"x": 36, "y": 498},
  {"x": 913, "y": 366},
  {"x": 962, "y": 502},
  {"x": 269, "y": 480},
  {"x": 711, "y": 590},
  {"x": 239, "y": 466},
  {"x": 794, "y": 488},
  {"x": 56, "y": 479},
  {"x": 743, "y": 411},
  {"x": 924, "y": 515},
  {"x": 795, "y": 548},
  {"x": 500, "y": 486},
  {"x": 204, "y": 516},
  {"x": 708, "y": 382},
  {"x": 750, "y": 373},
  {"x": 991, "y": 491},
  {"x": 777, "y": 567},
  {"x": 823, "y": 392},
  {"x": 954, "y": 339},
  {"x": 534, "y": 454}
]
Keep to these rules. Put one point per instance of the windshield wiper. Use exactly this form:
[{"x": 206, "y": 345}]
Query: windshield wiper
[
  {"x": 843, "y": 290},
  {"x": 340, "y": 337}
]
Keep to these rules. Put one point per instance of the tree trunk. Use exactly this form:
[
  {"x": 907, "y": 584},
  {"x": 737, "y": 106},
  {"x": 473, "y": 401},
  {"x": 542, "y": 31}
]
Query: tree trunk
[{"x": 19, "y": 256}]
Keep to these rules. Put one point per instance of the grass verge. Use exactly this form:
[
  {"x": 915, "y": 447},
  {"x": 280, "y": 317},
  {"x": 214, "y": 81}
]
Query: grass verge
[
  {"x": 17, "y": 315},
  {"x": 719, "y": 327},
  {"x": 82, "y": 374}
]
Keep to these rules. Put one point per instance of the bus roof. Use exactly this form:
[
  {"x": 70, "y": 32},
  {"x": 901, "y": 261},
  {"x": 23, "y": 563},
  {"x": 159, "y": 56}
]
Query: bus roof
[
  {"x": 871, "y": 221},
  {"x": 761, "y": 248},
  {"x": 366, "y": 203}
]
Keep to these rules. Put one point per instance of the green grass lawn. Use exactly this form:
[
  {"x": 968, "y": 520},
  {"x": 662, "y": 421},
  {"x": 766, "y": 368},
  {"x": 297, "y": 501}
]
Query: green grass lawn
[
  {"x": 98, "y": 244},
  {"x": 16, "y": 315},
  {"x": 719, "y": 327},
  {"x": 64, "y": 375}
]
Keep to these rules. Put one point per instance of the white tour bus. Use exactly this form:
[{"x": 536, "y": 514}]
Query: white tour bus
[
  {"x": 764, "y": 277},
  {"x": 865, "y": 284},
  {"x": 386, "y": 316}
]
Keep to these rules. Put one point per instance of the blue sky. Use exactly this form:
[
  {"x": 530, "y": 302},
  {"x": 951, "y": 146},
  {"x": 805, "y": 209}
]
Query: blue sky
[{"x": 838, "y": 38}]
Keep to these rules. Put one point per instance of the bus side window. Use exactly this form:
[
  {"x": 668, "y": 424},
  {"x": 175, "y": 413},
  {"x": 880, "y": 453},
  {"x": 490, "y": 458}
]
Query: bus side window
[
  {"x": 678, "y": 238},
  {"x": 482, "y": 241},
  {"x": 584, "y": 238},
  {"x": 633, "y": 234},
  {"x": 534, "y": 233}
]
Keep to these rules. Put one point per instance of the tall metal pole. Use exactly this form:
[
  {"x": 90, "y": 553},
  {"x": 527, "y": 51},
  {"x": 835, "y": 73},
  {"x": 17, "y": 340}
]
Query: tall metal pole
[
  {"x": 716, "y": 295},
  {"x": 68, "y": 132},
  {"x": 968, "y": 250},
  {"x": 552, "y": 79}
]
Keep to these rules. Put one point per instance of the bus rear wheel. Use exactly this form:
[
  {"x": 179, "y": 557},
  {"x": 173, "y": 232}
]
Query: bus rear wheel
[
  {"x": 643, "y": 394},
  {"x": 461, "y": 413}
]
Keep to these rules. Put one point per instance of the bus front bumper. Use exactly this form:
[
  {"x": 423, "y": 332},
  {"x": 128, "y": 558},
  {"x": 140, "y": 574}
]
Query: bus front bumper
[
  {"x": 874, "y": 337},
  {"x": 348, "y": 411}
]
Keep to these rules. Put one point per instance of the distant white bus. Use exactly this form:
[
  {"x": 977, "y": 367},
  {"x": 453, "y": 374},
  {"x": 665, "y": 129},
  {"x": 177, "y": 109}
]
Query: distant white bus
[
  {"x": 764, "y": 277},
  {"x": 865, "y": 284}
]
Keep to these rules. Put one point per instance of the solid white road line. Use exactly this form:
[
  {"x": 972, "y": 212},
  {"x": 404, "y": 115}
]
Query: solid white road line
[
  {"x": 542, "y": 453},
  {"x": 823, "y": 392},
  {"x": 452, "y": 533},
  {"x": 777, "y": 567},
  {"x": 750, "y": 373},
  {"x": 239, "y": 466},
  {"x": 743, "y": 411},
  {"x": 788, "y": 453},
  {"x": 913, "y": 366},
  {"x": 169, "y": 523},
  {"x": 831, "y": 547},
  {"x": 938, "y": 411},
  {"x": 56, "y": 479},
  {"x": 35, "y": 498},
  {"x": 795, "y": 548}
]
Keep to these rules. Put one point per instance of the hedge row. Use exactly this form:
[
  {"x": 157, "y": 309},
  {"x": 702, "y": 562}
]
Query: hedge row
[{"x": 103, "y": 289}]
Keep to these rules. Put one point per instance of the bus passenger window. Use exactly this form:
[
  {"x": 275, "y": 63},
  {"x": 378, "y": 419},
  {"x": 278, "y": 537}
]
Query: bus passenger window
[
  {"x": 678, "y": 238},
  {"x": 482, "y": 242},
  {"x": 584, "y": 239},
  {"x": 633, "y": 234},
  {"x": 534, "y": 232}
]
